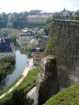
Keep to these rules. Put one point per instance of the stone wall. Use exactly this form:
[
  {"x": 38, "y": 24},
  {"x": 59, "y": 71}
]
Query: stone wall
[
  {"x": 66, "y": 49},
  {"x": 48, "y": 80}
]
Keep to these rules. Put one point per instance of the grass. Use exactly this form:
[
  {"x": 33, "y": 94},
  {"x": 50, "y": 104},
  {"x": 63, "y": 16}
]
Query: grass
[
  {"x": 25, "y": 86},
  {"x": 6, "y": 89},
  {"x": 69, "y": 96},
  {"x": 30, "y": 80}
]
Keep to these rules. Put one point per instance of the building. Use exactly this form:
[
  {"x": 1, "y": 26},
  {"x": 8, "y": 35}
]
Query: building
[
  {"x": 64, "y": 14},
  {"x": 5, "y": 46},
  {"x": 37, "y": 55},
  {"x": 25, "y": 38},
  {"x": 41, "y": 18}
]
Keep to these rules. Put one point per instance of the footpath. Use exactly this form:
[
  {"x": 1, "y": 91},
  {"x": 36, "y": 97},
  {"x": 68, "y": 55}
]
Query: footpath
[{"x": 24, "y": 74}]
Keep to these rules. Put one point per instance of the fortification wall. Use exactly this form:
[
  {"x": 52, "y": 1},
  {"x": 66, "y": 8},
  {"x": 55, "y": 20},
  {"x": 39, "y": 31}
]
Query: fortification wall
[{"x": 66, "y": 49}]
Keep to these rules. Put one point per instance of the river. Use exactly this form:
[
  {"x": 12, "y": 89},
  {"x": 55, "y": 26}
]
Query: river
[{"x": 21, "y": 63}]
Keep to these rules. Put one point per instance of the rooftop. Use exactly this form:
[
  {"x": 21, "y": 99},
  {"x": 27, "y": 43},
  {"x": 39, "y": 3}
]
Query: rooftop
[{"x": 5, "y": 45}]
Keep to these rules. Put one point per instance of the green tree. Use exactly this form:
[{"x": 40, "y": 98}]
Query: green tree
[{"x": 18, "y": 98}]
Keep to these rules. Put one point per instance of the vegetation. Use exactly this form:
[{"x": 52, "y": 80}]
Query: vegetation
[
  {"x": 32, "y": 25},
  {"x": 13, "y": 40},
  {"x": 6, "y": 66},
  {"x": 22, "y": 89},
  {"x": 53, "y": 35},
  {"x": 27, "y": 51},
  {"x": 29, "y": 81},
  {"x": 18, "y": 20},
  {"x": 10, "y": 32},
  {"x": 18, "y": 98},
  {"x": 69, "y": 96},
  {"x": 76, "y": 16}
]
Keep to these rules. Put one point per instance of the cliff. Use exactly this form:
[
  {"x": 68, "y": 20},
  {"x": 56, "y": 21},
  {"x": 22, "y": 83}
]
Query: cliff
[
  {"x": 48, "y": 80},
  {"x": 64, "y": 44}
]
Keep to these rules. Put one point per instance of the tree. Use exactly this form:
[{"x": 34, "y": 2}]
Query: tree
[{"x": 18, "y": 98}]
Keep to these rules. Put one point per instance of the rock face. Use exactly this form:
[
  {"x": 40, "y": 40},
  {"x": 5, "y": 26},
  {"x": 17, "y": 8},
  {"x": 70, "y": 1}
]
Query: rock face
[
  {"x": 48, "y": 82},
  {"x": 66, "y": 49}
]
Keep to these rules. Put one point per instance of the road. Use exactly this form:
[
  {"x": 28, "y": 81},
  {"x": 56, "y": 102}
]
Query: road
[{"x": 24, "y": 74}]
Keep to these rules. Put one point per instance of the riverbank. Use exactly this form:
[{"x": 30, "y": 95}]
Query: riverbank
[
  {"x": 21, "y": 61},
  {"x": 7, "y": 65},
  {"x": 24, "y": 74}
]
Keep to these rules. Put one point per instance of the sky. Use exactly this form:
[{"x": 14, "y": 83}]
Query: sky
[{"x": 45, "y": 5}]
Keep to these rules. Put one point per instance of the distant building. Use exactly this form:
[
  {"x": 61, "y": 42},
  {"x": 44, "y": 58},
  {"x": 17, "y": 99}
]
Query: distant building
[
  {"x": 5, "y": 46},
  {"x": 64, "y": 14},
  {"x": 38, "y": 18},
  {"x": 37, "y": 55},
  {"x": 25, "y": 38},
  {"x": 33, "y": 43}
]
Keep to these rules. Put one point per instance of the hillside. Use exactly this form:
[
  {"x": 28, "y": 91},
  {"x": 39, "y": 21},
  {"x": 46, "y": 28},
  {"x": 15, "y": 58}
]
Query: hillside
[{"x": 69, "y": 96}]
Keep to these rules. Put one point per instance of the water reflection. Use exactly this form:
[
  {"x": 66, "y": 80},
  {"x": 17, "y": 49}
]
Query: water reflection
[{"x": 21, "y": 63}]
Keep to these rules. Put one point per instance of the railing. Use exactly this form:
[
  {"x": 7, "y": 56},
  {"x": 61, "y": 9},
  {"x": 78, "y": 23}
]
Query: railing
[{"x": 64, "y": 20}]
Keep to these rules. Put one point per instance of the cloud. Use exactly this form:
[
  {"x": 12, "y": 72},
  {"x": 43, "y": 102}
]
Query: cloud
[{"x": 46, "y": 5}]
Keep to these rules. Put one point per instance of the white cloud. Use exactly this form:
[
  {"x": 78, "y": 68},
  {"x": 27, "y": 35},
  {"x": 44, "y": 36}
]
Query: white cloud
[{"x": 46, "y": 5}]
